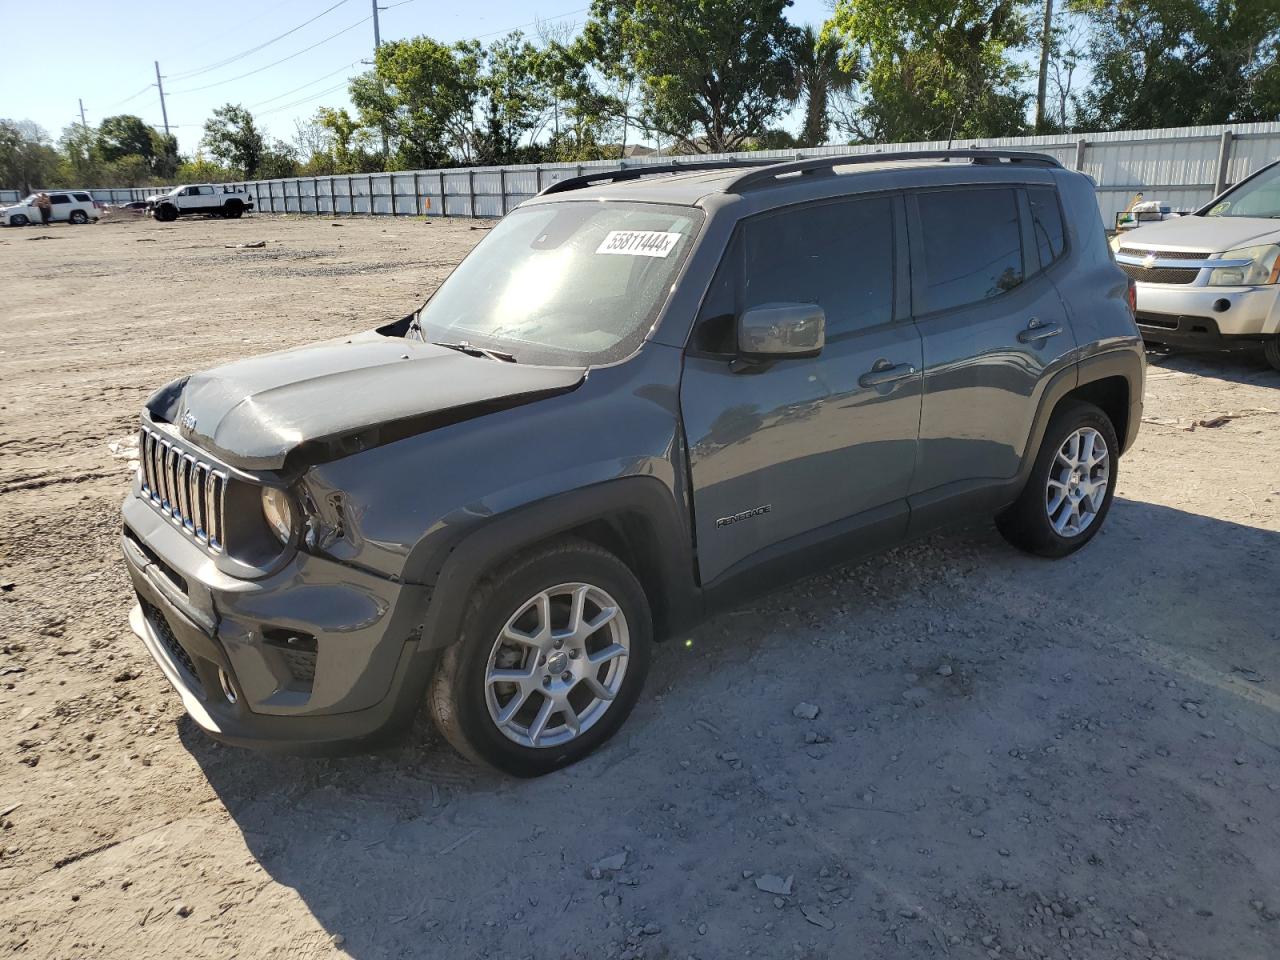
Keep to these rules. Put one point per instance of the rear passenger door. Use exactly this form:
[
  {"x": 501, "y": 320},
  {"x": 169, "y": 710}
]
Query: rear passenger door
[
  {"x": 787, "y": 454},
  {"x": 993, "y": 325},
  {"x": 60, "y": 206}
]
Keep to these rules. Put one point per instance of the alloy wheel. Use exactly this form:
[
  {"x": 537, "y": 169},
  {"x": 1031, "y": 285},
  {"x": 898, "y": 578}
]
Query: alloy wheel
[
  {"x": 557, "y": 665},
  {"x": 1078, "y": 481}
]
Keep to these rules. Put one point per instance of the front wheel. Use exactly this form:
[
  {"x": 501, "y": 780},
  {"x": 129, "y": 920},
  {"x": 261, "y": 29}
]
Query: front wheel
[
  {"x": 1271, "y": 350},
  {"x": 166, "y": 213},
  {"x": 1071, "y": 486},
  {"x": 553, "y": 653},
  {"x": 18, "y": 220}
]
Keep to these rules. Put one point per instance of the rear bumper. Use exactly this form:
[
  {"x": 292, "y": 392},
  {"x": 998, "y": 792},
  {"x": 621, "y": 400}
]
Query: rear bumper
[{"x": 225, "y": 644}]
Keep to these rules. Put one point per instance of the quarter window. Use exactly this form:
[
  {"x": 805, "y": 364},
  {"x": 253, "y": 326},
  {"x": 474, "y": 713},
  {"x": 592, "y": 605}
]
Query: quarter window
[
  {"x": 83, "y": 197},
  {"x": 972, "y": 246},
  {"x": 1046, "y": 220},
  {"x": 837, "y": 255}
]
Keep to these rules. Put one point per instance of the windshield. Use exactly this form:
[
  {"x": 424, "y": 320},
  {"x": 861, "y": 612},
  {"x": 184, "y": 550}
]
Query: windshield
[
  {"x": 579, "y": 282},
  {"x": 1260, "y": 197}
]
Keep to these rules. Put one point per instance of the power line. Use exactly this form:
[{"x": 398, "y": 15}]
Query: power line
[
  {"x": 132, "y": 96},
  {"x": 306, "y": 99},
  {"x": 276, "y": 63},
  {"x": 531, "y": 23},
  {"x": 280, "y": 96},
  {"x": 188, "y": 74}
]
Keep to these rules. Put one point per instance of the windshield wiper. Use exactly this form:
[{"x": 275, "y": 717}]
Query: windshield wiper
[{"x": 471, "y": 350}]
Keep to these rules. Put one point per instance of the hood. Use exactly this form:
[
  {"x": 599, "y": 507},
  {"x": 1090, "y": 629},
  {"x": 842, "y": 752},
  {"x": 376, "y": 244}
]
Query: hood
[
  {"x": 1203, "y": 234},
  {"x": 335, "y": 398}
]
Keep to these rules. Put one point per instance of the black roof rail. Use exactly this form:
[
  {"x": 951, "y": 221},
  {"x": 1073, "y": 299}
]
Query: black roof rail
[
  {"x": 644, "y": 170},
  {"x": 812, "y": 165}
]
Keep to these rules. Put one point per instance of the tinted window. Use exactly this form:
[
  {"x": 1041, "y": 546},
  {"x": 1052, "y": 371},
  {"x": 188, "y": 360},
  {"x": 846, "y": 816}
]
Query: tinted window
[
  {"x": 972, "y": 246},
  {"x": 1046, "y": 221},
  {"x": 206, "y": 191},
  {"x": 837, "y": 255},
  {"x": 59, "y": 198},
  {"x": 83, "y": 197}
]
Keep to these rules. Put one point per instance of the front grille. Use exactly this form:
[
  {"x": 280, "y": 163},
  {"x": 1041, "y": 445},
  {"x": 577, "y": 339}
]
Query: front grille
[
  {"x": 187, "y": 490},
  {"x": 1161, "y": 274},
  {"x": 1166, "y": 254},
  {"x": 161, "y": 627}
]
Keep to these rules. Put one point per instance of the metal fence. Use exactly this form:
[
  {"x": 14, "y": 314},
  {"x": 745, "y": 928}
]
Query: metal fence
[{"x": 1184, "y": 166}]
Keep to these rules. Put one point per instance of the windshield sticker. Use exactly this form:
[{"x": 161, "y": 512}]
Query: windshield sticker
[{"x": 638, "y": 243}]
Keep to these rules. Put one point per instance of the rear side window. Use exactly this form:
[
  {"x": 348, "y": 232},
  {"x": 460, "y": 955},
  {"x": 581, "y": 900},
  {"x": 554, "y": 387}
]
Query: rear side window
[
  {"x": 83, "y": 197},
  {"x": 837, "y": 255},
  {"x": 59, "y": 198},
  {"x": 206, "y": 191},
  {"x": 972, "y": 246},
  {"x": 1046, "y": 221}
]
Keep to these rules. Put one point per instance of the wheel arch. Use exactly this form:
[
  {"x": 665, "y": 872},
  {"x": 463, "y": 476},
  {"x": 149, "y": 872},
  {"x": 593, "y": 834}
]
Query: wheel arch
[
  {"x": 635, "y": 518},
  {"x": 1111, "y": 394}
]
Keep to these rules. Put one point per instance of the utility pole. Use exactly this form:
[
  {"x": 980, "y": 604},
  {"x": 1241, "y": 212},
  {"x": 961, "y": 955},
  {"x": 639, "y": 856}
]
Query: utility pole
[
  {"x": 83, "y": 125},
  {"x": 1042, "y": 86},
  {"x": 377, "y": 42},
  {"x": 377, "y": 36},
  {"x": 164, "y": 114}
]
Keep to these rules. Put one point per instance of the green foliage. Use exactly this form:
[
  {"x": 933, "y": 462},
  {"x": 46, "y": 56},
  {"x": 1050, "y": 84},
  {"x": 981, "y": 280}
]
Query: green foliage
[
  {"x": 200, "y": 169},
  {"x": 933, "y": 69},
  {"x": 125, "y": 135},
  {"x": 713, "y": 73},
  {"x": 817, "y": 71},
  {"x": 232, "y": 137},
  {"x": 1168, "y": 63},
  {"x": 27, "y": 160}
]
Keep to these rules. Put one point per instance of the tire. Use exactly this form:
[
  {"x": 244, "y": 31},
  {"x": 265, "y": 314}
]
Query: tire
[
  {"x": 468, "y": 706},
  {"x": 18, "y": 220},
  {"x": 1271, "y": 350},
  {"x": 1033, "y": 523},
  {"x": 78, "y": 217},
  {"x": 233, "y": 209},
  {"x": 166, "y": 213}
]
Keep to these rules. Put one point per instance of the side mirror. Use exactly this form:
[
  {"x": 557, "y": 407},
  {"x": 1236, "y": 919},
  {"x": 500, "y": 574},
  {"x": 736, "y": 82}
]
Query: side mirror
[{"x": 780, "y": 331}]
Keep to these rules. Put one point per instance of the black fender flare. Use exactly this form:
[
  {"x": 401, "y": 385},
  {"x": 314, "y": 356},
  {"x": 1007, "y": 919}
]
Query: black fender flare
[{"x": 664, "y": 551}]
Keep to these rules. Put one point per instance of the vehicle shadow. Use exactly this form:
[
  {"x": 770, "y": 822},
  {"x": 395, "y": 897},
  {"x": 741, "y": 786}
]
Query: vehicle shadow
[
  {"x": 1237, "y": 366},
  {"x": 410, "y": 852}
]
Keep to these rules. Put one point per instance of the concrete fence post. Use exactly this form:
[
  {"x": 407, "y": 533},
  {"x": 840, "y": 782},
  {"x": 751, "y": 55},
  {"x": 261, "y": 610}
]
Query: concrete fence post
[
  {"x": 351, "y": 198},
  {"x": 537, "y": 178},
  {"x": 502, "y": 190},
  {"x": 1224, "y": 163},
  {"x": 471, "y": 191},
  {"x": 1081, "y": 145},
  {"x": 417, "y": 195},
  {"x": 444, "y": 204}
]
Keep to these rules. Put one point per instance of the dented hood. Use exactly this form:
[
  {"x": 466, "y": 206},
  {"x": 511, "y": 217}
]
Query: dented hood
[{"x": 338, "y": 397}]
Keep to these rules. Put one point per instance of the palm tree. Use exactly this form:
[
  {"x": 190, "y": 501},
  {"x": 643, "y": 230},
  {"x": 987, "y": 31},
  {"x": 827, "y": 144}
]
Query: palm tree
[{"x": 816, "y": 74}]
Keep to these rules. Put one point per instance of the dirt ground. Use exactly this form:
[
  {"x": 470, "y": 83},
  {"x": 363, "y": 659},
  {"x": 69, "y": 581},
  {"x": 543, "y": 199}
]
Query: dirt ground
[{"x": 1012, "y": 758}]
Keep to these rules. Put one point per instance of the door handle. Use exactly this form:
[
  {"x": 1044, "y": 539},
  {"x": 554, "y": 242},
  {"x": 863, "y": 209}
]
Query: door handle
[
  {"x": 1037, "y": 331},
  {"x": 886, "y": 372}
]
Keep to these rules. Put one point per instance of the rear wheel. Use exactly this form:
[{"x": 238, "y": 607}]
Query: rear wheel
[
  {"x": 1271, "y": 350},
  {"x": 1071, "y": 486},
  {"x": 552, "y": 656},
  {"x": 233, "y": 209},
  {"x": 78, "y": 217}
]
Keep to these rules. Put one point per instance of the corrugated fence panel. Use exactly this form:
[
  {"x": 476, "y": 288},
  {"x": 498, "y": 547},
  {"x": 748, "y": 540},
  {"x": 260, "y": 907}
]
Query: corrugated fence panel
[{"x": 1181, "y": 166}]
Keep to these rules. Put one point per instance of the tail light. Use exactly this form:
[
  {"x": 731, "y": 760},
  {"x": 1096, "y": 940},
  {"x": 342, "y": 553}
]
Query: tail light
[
  {"x": 99, "y": 205},
  {"x": 1132, "y": 297}
]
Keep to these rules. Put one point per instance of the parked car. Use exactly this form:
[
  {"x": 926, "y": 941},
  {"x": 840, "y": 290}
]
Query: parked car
[
  {"x": 69, "y": 206},
  {"x": 221, "y": 200},
  {"x": 642, "y": 396},
  {"x": 1211, "y": 280}
]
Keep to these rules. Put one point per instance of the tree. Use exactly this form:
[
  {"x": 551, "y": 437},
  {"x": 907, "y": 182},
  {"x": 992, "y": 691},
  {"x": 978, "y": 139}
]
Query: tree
[
  {"x": 817, "y": 73},
  {"x": 232, "y": 137},
  {"x": 125, "y": 135},
  {"x": 932, "y": 69},
  {"x": 1166, "y": 63},
  {"x": 712, "y": 73},
  {"x": 27, "y": 160}
]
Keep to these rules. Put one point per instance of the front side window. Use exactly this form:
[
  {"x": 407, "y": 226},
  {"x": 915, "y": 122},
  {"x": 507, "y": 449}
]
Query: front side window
[
  {"x": 1260, "y": 197},
  {"x": 577, "y": 282},
  {"x": 837, "y": 255},
  {"x": 972, "y": 246}
]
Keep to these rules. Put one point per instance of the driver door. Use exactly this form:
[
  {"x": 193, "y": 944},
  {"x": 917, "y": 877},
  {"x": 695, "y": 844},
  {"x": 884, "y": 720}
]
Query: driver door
[{"x": 791, "y": 454}]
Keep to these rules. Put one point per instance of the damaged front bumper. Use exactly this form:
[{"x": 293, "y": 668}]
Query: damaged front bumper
[{"x": 317, "y": 654}]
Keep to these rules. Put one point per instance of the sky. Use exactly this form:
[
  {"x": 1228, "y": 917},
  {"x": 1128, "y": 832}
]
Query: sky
[{"x": 106, "y": 54}]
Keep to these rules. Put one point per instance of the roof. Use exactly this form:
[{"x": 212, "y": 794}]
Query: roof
[{"x": 692, "y": 182}]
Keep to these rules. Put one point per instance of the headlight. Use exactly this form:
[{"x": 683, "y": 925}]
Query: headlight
[
  {"x": 278, "y": 512},
  {"x": 1264, "y": 267}
]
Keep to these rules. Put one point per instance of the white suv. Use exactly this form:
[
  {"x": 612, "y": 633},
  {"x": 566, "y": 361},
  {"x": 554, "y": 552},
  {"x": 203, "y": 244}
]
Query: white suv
[{"x": 71, "y": 206}]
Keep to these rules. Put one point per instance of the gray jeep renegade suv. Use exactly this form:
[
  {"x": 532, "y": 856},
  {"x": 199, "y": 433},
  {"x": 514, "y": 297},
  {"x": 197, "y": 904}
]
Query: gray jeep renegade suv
[{"x": 641, "y": 396}]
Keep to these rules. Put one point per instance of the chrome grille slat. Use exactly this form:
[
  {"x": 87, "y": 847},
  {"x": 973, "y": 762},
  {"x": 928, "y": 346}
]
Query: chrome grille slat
[{"x": 189, "y": 491}]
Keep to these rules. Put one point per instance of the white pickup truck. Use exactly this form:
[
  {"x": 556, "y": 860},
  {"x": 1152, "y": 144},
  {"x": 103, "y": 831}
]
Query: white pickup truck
[{"x": 222, "y": 200}]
